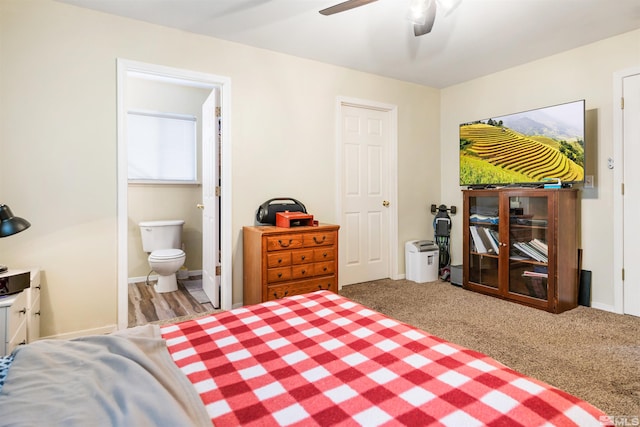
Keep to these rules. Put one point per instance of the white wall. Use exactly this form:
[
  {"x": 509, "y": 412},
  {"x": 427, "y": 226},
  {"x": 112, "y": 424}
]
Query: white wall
[
  {"x": 58, "y": 132},
  {"x": 583, "y": 73}
]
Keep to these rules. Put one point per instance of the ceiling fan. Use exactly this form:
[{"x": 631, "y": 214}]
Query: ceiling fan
[{"x": 421, "y": 12}]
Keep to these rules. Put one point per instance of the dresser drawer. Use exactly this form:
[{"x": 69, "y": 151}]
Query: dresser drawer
[
  {"x": 327, "y": 238},
  {"x": 302, "y": 271},
  {"x": 20, "y": 338},
  {"x": 279, "y": 259},
  {"x": 296, "y": 288},
  {"x": 33, "y": 321},
  {"x": 17, "y": 315},
  {"x": 280, "y": 274},
  {"x": 287, "y": 241},
  {"x": 302, "y": 256},
  {"x": 324, "y": 268},
  {"x": 324, "y": 254}
]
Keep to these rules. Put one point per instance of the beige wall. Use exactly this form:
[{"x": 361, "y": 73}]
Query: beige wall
[
  {"x": 58, "y": 130},
  {"x": 150, "y": 202},
  {"x": 584, "y": 73}
]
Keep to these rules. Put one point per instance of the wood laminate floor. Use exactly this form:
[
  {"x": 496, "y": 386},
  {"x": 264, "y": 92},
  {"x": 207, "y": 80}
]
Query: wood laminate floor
[{"x": 146, "y": 305}]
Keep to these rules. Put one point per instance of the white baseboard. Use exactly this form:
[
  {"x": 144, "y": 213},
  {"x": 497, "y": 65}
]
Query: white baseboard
[
  {"x": 131, "y": 280},
  {"x": 95, "y": 331},
  {"x": 604, "y": 307}
]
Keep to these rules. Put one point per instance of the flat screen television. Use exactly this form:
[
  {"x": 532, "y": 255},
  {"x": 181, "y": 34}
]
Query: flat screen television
[{"x": 530, "y": 148}]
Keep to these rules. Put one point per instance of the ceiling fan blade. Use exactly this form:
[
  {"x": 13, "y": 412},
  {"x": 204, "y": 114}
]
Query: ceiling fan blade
[
  {"x": 426, "y": 24},
  {"x": 346, "y": 5}
]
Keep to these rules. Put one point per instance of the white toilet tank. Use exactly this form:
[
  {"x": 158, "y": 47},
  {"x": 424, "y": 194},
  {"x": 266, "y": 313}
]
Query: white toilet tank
[{"x": 161, "y": 234}]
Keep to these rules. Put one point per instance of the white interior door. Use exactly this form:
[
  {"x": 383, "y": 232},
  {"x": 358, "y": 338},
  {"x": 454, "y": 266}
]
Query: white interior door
[
  {"x": 210, "y": 202},
  {"x": 631, "y": 200},
  {"x": 365, "y": 217}
]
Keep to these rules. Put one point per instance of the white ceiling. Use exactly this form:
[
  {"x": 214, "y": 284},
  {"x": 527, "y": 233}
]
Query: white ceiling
[{"x": 475, "y": 38}]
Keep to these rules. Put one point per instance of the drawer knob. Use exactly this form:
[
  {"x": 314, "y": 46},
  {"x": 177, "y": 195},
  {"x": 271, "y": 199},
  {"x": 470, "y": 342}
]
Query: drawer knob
[
  {"x": 327, "y": 288},
  {"x": 325, "y": 254},
  {"x": 279, "y": 275},
  {"x": 315, "y": 239},
  {"x": 37, "y": 313},
  {"x": 279, "y": 260},
  {"x": 285, "y": 245},
  {"x": 23, "y": 342},
  {"x": 23, "y": 311},
  {"x": 275, "y": 294},
  {"x": 304, "y": 271},
  {"x": 303, "y": 257},
  {"x": 325, "y": 269}
]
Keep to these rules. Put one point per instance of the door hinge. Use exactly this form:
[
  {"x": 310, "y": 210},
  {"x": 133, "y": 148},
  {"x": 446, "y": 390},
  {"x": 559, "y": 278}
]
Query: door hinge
[
  {"x": 218, "y": 270},
  {"x": 622, "y": 188},
  {"x": 623, "y": 274},
  {"x": 218, "y": 191},
  {"x": 622, "y": 103},
  {"x": 218, "y": 112}
]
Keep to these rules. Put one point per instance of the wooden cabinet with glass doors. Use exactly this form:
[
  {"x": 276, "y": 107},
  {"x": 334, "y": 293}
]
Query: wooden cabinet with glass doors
[{"x": 521, "y": 244}]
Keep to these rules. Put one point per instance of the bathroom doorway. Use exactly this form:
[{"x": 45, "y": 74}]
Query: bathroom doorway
[{"x": 207, "y": 228}]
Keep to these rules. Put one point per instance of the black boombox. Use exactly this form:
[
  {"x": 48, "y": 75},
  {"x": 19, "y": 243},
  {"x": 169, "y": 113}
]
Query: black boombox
[
  {"x": 13, "y": 282},
  {"x": 267, "y": 211}
]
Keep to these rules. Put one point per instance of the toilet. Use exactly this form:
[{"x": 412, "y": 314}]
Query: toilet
[{"x": 162, "y": 240}]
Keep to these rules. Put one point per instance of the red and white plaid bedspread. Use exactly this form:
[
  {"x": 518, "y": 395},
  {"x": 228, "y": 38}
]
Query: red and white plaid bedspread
[{"x": 321, "y": 359}]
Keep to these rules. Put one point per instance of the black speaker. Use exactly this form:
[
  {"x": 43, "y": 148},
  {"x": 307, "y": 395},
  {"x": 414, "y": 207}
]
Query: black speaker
[
  {"x": 12, "y": 283},
  {"x": 584, "y": 291},
  {"x": 266, "y": 213}
]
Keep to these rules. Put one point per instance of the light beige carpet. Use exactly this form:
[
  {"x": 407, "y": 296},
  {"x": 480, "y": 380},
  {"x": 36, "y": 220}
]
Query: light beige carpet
[{"x": 589, "y": 353}]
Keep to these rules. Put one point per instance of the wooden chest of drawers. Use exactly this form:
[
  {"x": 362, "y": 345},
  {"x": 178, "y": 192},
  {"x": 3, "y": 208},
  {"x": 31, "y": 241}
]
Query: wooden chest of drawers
[{"x": 281, "y": 262}]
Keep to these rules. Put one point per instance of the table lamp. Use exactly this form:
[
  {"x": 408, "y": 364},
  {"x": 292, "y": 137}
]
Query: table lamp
[{"x": 10, "y": 225}]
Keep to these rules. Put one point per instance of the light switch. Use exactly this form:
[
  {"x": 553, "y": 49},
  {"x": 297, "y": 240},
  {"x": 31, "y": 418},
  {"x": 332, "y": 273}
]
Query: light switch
[{"x": 588, "y": 181}]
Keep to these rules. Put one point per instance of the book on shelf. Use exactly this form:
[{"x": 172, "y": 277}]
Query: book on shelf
[
  {"x": 477, "y": 240},
  {"x": 535, "y": 274},
  {"x": 540, "y": 246},
  {"x": 487, "y": 240},
  {"x": 496, "y": 238},
  {"x": 492, "y": 241},
  {"x": 528, "y": 250},
  {"x": 541, "y": 256}
]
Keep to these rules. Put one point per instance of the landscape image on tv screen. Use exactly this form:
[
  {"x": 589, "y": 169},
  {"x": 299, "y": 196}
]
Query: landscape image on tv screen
[{"x": 531, "y": 147}]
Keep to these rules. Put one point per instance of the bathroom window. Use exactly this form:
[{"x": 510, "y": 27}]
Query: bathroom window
[{"x": 161, "y": 147}]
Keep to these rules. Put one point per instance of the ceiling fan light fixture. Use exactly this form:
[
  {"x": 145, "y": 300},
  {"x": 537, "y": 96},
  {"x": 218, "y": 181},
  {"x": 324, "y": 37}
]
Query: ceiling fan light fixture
[
  {"x": 418, "y": 11},
  {"x": 423, "y": 14}
]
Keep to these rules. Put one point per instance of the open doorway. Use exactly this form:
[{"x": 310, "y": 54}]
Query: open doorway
[{"x": 215, "y": 178}]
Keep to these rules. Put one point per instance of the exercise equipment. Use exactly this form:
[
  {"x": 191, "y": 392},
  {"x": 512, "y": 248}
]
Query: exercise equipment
[{"x": 442, "y": 235}]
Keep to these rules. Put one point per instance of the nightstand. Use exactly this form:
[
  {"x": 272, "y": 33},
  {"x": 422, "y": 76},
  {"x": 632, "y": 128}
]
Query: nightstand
[{"x": 20, "y": 316}]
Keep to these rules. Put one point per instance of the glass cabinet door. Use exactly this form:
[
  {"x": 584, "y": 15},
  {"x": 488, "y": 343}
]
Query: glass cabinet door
[
  {"x": 528, "y": 249},
  {"x": 483, "y": 240}
]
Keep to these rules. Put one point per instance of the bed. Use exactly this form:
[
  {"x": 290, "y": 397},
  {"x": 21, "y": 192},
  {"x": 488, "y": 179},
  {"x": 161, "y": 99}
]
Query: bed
[{"x": 313, "y": 359}]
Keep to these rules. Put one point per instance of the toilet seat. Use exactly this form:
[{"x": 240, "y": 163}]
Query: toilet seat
[{"x": 166, "y": 254}]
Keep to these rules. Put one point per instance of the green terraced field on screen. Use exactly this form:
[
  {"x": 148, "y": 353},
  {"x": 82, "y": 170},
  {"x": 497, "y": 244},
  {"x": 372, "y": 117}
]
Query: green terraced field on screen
[{"x": 498, "y": 155}]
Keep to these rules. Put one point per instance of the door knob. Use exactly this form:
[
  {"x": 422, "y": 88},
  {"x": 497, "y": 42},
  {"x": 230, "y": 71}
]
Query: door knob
[
  {"x": 385, "y": 203},
  {"x": 200, "y": 206}
]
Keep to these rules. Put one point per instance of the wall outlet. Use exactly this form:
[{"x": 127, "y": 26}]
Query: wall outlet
[{"x": 588, "y": 181}]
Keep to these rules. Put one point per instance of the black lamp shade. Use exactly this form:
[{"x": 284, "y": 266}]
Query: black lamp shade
[{"x": 10, "y": 224}]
